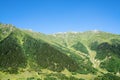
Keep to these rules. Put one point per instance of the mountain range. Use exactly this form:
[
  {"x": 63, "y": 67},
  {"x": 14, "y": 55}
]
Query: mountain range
[{"x": 29, "y": 55}]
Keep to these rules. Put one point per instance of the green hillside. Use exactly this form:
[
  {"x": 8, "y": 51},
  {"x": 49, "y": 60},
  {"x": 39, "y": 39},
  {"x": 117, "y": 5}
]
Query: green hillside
[{"x": 28, "y": 55}]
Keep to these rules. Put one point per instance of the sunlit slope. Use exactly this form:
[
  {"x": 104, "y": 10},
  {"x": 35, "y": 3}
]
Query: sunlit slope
[{"x": 18, "y": 49}]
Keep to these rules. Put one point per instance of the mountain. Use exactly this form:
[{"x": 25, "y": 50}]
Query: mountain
[{"x": 28, "y": 55}]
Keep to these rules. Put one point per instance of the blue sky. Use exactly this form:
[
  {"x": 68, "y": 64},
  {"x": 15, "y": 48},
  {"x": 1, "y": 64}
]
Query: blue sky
[{"x": 51, "y": 16}]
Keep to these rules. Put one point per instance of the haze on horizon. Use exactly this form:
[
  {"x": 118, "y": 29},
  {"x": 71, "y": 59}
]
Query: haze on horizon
[{"x": 52, "y": 16}]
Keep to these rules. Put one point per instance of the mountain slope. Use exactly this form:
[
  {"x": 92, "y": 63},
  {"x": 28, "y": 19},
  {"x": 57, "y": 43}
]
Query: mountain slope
[{"x": 65, "y": 56}]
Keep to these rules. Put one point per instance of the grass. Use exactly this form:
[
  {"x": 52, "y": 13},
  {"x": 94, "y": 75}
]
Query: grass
[{"x": 42, "y": 75}]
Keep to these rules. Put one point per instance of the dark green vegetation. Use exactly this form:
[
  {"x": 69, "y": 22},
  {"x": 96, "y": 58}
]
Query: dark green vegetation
[
  {"x": 47, "y": 56},
  {"x": 107, "y": 77},
  {"x": 112, "y": 65},
  {"x": 105, "y": 48},
  {"x": 110, "y": 52},
  {"x": 80, "y": 47},
  {"x": 63, "y": 56},
  {"x": 12, "y": 54}
]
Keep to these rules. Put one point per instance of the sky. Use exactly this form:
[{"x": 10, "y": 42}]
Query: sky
[{"x": 52, "y": 16}]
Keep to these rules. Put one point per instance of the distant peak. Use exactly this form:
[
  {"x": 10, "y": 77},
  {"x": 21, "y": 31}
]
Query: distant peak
[
  {"x": 73, "y": 32},
  {"x": 93, "y": 31},
  {"x": 96, "y": 31},
  {"x": 61, "y": 33}
]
